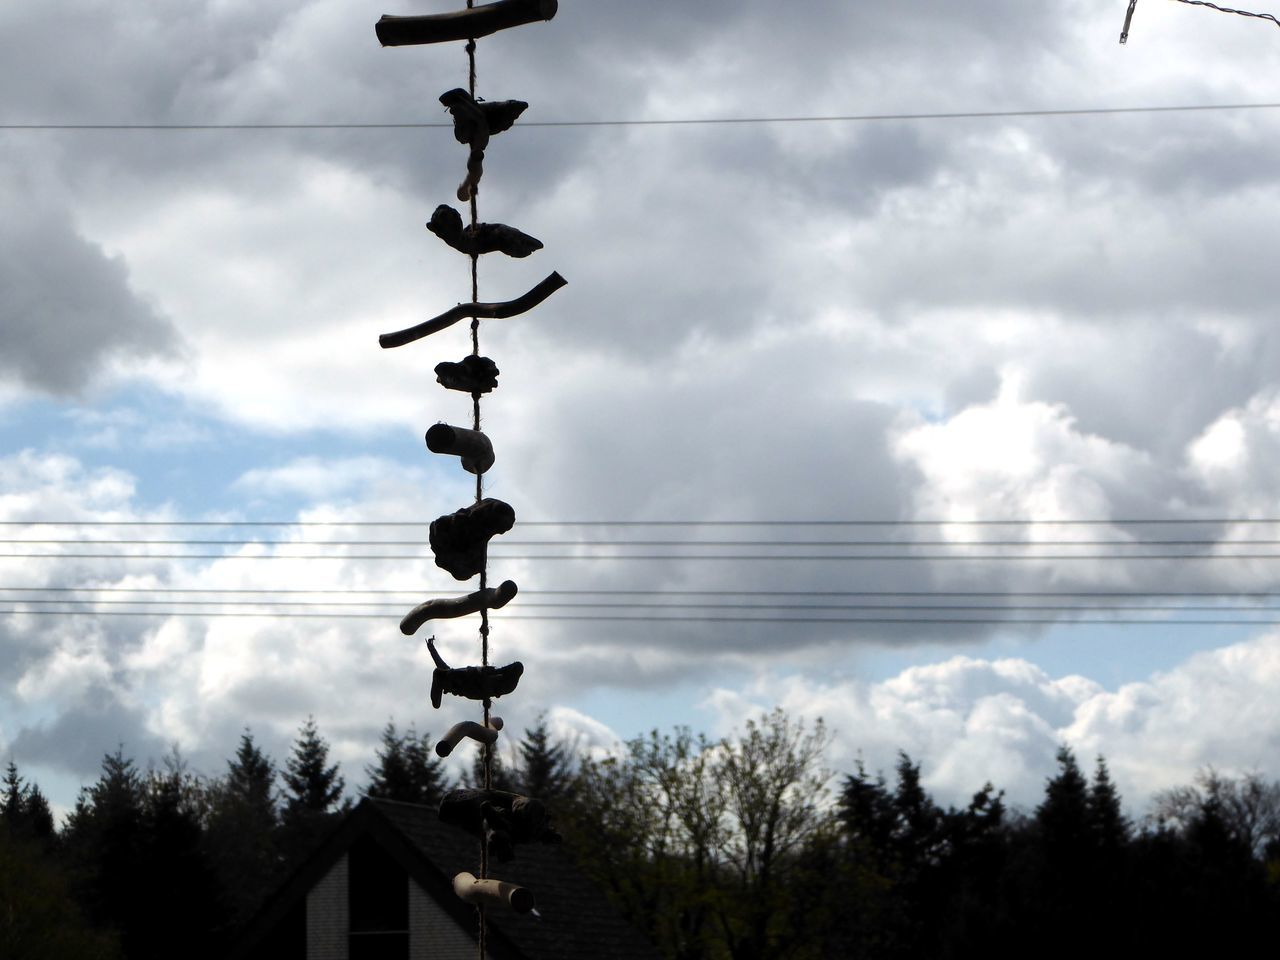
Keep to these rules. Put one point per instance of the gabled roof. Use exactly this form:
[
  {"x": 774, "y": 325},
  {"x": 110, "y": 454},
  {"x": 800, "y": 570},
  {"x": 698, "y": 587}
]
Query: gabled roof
[{"x": 575, "y": 921}]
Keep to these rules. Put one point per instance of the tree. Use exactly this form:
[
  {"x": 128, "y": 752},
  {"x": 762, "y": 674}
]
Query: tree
[
  {"x": 543, "y": 767},
  {"x": 701, "y": 842},
  {"x": 407, "y": 769},
  {"x": 24, "y": 809},
  {"x": 313, "y": 786},
  {"x": 313, "y": 790},
  {"x": 242, "y": 825}
]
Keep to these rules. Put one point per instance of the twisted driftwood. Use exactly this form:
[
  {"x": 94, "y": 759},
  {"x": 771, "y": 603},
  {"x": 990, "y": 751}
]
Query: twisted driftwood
[
  {"x": 463, "y": 24},
  {"x": 474, "y": 683},
  {"x": 446, "y": 223},
  {"x": 460, "y": 540},
  {"x": 460, "y": 731},
  {"x": 471, "y": 374},
  {"x": 471, "y": 446},
  {"x": 500, "y": 818},
  {"x": 488, "y": 311},
  {"x": 449, "y": 608},
  {"x": 474, "y": 121},
  {"x": 493, "y": 893}
]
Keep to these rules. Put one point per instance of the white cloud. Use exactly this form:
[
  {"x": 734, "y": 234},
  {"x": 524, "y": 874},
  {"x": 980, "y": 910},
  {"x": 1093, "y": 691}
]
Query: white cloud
[{"x": 969, "y": 720}]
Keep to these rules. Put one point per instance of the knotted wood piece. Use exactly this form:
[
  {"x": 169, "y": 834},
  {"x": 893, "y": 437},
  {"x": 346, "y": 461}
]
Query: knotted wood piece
[
  {"x": 471, "y": 374},
  {"x": 446, "y": 223},
  {"x": 487, "y": 311},
  {"x": 471, "y": 446},
  {"x": 473, "y": 683},
  {"x": 449, "y": 608},
  {"x": 474, "y": 121},
  {"x": 470, "y": 24},
  {"x": 460, "y": 540},
  {"x": 499, "y": 818},
  {"x": 493, "y": 893},
  {"x": 461, "y": 731}
]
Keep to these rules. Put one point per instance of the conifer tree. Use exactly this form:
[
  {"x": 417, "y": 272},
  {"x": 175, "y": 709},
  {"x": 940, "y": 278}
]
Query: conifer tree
[
  {"x": 1107, "y": 823},
  {"x": 242, "y": 825},
  {"x": 407, "y": 769},
  {"x": 544, "y": 768},
  {"x": 313, "y": 785}
]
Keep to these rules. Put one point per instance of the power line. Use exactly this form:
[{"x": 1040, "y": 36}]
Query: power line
[
  {"x": 1200, "y": 542},
  {"x": 904, "y": 594},
  {"x": 387, "y": 610},
  {"x": 667, "y": 122},
  {"x": 726, "y": 557},
  {"x": 1022, "y": 521},
  {"x": 939, "y": 621}
]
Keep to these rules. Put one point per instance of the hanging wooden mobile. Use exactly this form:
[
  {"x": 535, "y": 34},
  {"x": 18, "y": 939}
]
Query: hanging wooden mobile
[{"x": 460, "y": 540}]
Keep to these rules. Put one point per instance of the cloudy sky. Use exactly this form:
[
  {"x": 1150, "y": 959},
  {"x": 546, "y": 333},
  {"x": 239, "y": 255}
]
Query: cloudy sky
[{"x": 1020, "y": 318}]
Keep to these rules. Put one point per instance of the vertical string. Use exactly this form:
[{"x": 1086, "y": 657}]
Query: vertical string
[{"x": 482, "y": 939}]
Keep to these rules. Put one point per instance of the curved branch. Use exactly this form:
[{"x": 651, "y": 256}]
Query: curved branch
[{"x": 488, "y": 311}]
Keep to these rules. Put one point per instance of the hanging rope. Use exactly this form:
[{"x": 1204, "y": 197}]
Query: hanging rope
[
  {"x": 487, "y": 756},
  {"x": 1128, "y": 16}
]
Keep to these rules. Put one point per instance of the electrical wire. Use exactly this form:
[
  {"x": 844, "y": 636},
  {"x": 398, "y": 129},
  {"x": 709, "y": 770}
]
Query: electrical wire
[{"x": 674, "y": 122}]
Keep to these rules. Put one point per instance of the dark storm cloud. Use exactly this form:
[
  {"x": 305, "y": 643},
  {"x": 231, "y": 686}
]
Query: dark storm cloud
[
  {"x": 67, "y": 308},
  {"x": 82, "y": 732}
]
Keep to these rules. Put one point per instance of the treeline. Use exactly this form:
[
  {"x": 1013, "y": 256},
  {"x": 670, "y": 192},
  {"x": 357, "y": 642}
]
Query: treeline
[{"x": 730, "y": 849}]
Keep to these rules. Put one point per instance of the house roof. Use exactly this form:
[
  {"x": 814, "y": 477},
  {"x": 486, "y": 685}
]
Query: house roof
[{"x": 574, "y": 920}]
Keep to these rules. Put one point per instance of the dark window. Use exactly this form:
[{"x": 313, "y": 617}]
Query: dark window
[
  {"x": 378, "y": 898},
  {"x": 379, "y": 946}
]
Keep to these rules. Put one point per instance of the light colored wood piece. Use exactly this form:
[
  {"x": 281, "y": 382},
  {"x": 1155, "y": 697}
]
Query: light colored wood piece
[
  {"x": 493, "y": 893},
  {"x": 460, "y": 731}
]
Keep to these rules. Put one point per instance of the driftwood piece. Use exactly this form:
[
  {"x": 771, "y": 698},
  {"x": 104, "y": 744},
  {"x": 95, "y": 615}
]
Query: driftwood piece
[
  {"x": 499, "y": 818},
  {"x": 474, "y": 683},
  {"x": 471, "y": 446},
  {"x": 493, "y": 893},
  {"x": 463, "y": 24},
  {"x": 489, "y": 311},
  {"x": 461, "y": 731},
  {"x": 449, "y": 608},
  {"x": 471, "y": 183},
  {"x": 446, "y": 223},
  {"x": 1128, "y": 18},
  {"x": 460, "y": 540},
  {"x": 471, "y": 374},
  {"x": 474, "y": 121}
]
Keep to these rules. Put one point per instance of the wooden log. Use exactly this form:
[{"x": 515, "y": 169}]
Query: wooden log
[
  {"x": 487, "y": 311},
  {"x": 495, "y": 722},
  {"x": 449, "y": 608},
  {"x": 493, "y": 893},
  {"x": 473, "y": 683},
  {"x": 461, "y": 731},
  {"x": 470, "y": 24},
  {"x": 460, "y": 540},
  {"x": 471, "y": 374},
  {"x": 446, "y": 223},
  {"x": 471, "y": 446}
]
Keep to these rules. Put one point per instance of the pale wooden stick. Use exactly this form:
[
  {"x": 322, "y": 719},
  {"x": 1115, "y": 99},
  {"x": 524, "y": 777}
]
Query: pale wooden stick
[
  {"x": 460, "y": 731},
  {"x": 493, "y": 893}
]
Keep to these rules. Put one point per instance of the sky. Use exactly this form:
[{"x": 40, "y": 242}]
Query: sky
[{"x": 910, "y": 321}]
